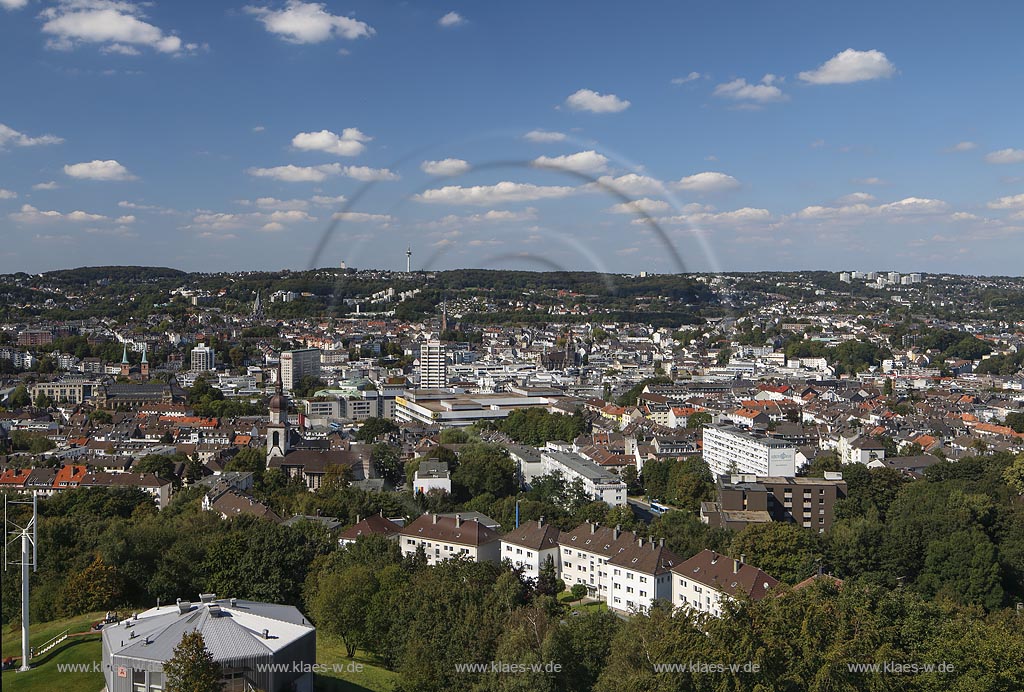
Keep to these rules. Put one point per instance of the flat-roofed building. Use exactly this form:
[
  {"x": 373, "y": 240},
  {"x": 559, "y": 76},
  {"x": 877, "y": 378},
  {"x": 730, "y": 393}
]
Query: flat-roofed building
[
  {"x": 598, "y": 482},
  {"x": 729, "y": 450}
]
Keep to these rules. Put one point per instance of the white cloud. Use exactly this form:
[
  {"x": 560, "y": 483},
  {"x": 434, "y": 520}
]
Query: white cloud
[
  {"x": 587, "y": 100},
  {"x": 351, "y": 142},
  {"x": 259, "y": 128},
  {"x": 869, "y": 181},
  {"x": 740, "y": 90},
  {"x": 1006, "y": 156},
  {"x": 8, "y": 194},
  {"x": 30, "y": 214},
  {"x": 584, "y": 162},
  {"x": 1012, "y": 202},
  {"x": 445, "y": 167},
  {"x": 490, "y": 216},
  {"x": 504, "y": 191},
  {"x": 362, "y": 217},
  {"x": 9, "y": 135},
  {"x": 692, "y": 77},
  {"x": 283, "y": 204},
  {"x": 631, "y": 184},
  {"x": 117, "y": 24},
  {"x": 451, "y": 19},
  {"x": 708, "y": 181},
  {"x": 366, "y": 173},
  {"x": 98, "y": 170},
  {"x": 274, "y": 221},
  {"x": 272, "y": 227},
  {"x": 738, "y": 218},
  {"x": 645, "y": 205},
  {"x": 962, "y": 146},
  {"x": 297, "y": 174},
  {"x": 309, "y": 22},
  {"x": 543, "y": 136},
  {"x": 49, "y": 185},
  {"x": 856, "y": 198},
  {"x": 128, "y": 218},
  {"x": 851, "y": 66},
  {"x": 908, "y": 207},
  {"x": 325, "y": 201},
  {"x": 13, "y": 4}
]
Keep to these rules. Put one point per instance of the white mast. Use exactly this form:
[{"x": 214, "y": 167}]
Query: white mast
[{"x": 29, "y": 535}]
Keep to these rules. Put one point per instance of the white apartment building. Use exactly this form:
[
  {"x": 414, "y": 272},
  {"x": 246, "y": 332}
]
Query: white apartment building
[
  {"x": 598, "y": 482},
  {"x": 729, "y": 450},
  {"x": 530, "y": 546},
  {"x": 433, "y": 365},
  {"x": 640, "y": 575},
  {"x": 857, "y": 449},
  {"x": 445, "y": 537},
  {"x": 203, "y": 358},
  {"x": 708, "y": 579},
  {"x": 303, "y": 362},
  {"x": 585, "y": 552}
]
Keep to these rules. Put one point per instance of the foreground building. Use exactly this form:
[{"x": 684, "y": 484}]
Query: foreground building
[
  {"x": 258, "y": 645},
  {"x": 709, "y": 579},
  {"x": 445, "y": 537}
]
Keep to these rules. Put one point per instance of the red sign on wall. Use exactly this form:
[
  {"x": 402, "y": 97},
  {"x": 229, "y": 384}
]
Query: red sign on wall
[{"x": 122, "y": 672}]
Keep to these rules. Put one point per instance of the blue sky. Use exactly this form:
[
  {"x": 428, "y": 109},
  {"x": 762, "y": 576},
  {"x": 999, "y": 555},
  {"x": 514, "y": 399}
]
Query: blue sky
[{"x": 744, "y": 135}]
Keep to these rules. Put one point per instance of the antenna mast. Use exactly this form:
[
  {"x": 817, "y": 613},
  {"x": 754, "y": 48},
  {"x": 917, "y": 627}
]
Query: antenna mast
[{"x": 29, "y": 535}]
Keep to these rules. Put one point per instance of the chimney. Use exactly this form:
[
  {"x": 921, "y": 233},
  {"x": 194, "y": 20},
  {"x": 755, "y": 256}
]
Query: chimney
[
  {"x": 266, "y": 634},
  {"x": 458, "y": 520},
  {"x": 743, "y": 558},
  {"x": 661, "y": 542},
  {"x": 593, "y": 529},
  {"x": 434, "y": 517},
  {"x": 617, "y": 532},
  {"x": 359, "y": 517},
  {"x": 540, "y": 522},
  {"x": 640, "y": 542},
  {"x": 736, "y": 566},
  {"x": 233, "y": 602}
]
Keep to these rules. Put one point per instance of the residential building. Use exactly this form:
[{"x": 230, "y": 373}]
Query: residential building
[
  {"x": 640, "y": 575},
  {"x": 708, "y": 580},
  {"x": 433, "y": 365},
  {"x": 303, "y": 362},
  {"x": 585, "y": 552},
  {"x": 858, "y": 449},
  {"x": 530, "y": 546},
  {"x": 443, "y": 538},
  {"x": 432, "y": 474},
  {"x": 599, "y": 483},
  {"x": 203, "y": 358},
  {"x": 806, "y": 501}
]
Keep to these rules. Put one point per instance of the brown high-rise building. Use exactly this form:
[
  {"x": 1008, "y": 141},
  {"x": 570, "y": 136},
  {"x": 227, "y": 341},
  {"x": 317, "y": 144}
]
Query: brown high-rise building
[{"x": 805, "y": 501}]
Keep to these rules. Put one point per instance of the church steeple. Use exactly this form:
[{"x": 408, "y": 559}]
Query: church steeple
[
  {"x": 126, "y": 368},
  {"x": 144, "y": 366},
  {"x": 277, "y": 431}
]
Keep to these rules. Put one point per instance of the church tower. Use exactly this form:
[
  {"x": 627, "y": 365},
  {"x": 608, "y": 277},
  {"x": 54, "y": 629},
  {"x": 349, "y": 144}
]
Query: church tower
[
  {"x": 144, "y": 366},
  {"x": 126, "y": 368},
  {"x": 277, "y": 431}
]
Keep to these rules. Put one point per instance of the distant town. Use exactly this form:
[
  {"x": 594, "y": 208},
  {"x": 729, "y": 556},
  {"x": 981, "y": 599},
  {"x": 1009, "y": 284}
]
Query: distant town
[{"x": 640, "y": 451}]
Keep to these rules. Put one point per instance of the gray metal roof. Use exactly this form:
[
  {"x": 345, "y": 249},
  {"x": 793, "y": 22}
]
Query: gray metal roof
[{"x": 236, "y": 632}]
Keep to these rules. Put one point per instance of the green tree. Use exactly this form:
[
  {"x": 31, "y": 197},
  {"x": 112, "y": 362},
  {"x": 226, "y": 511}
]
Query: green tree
[
  {"x": 785, "y": 551},
  {"x": 341, "y": 603},
  {"x": 372, "y": 428},
  {"x": 20, "y": 397},
  {"x": 387, "y": 463},
  {"x": 192, "y": 668},
  {"x": 578, "y": 591}
]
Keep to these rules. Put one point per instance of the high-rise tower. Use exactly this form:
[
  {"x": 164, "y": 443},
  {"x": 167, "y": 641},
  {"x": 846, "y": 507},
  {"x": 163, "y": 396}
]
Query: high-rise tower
[{"x": 408, "y": 260}]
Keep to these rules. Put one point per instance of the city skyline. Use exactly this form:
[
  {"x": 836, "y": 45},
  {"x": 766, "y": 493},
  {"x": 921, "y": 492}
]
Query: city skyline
[{"x": 523, "y": 137}]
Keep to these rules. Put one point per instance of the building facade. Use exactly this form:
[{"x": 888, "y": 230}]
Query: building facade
[{"x": 729, "y": 450}]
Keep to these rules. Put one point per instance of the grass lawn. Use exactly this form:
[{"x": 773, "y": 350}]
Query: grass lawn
[
  {"x": 44, "y": 676},
  {"x": 372, "y": 677}
]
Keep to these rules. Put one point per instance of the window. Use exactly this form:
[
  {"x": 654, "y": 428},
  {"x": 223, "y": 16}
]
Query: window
[{"x": 643, "y": 580}]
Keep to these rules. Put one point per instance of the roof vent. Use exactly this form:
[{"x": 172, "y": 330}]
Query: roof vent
[
  {"x": 233, "y": 602},
  {"x": 215, "y": 611},
  {"x": 184, "y": 607},
  {"x": 207, "y": 597},
  {"x": 266, "y": 634}
]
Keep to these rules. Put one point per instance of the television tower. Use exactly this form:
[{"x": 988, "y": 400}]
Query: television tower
[
  {"x": 29, "y": 535},
  {"x": 408, "y": 260}
]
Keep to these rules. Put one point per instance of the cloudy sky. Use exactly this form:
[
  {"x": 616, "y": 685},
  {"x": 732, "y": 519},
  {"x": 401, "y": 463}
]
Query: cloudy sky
[{"x": 620, "y": 137}]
